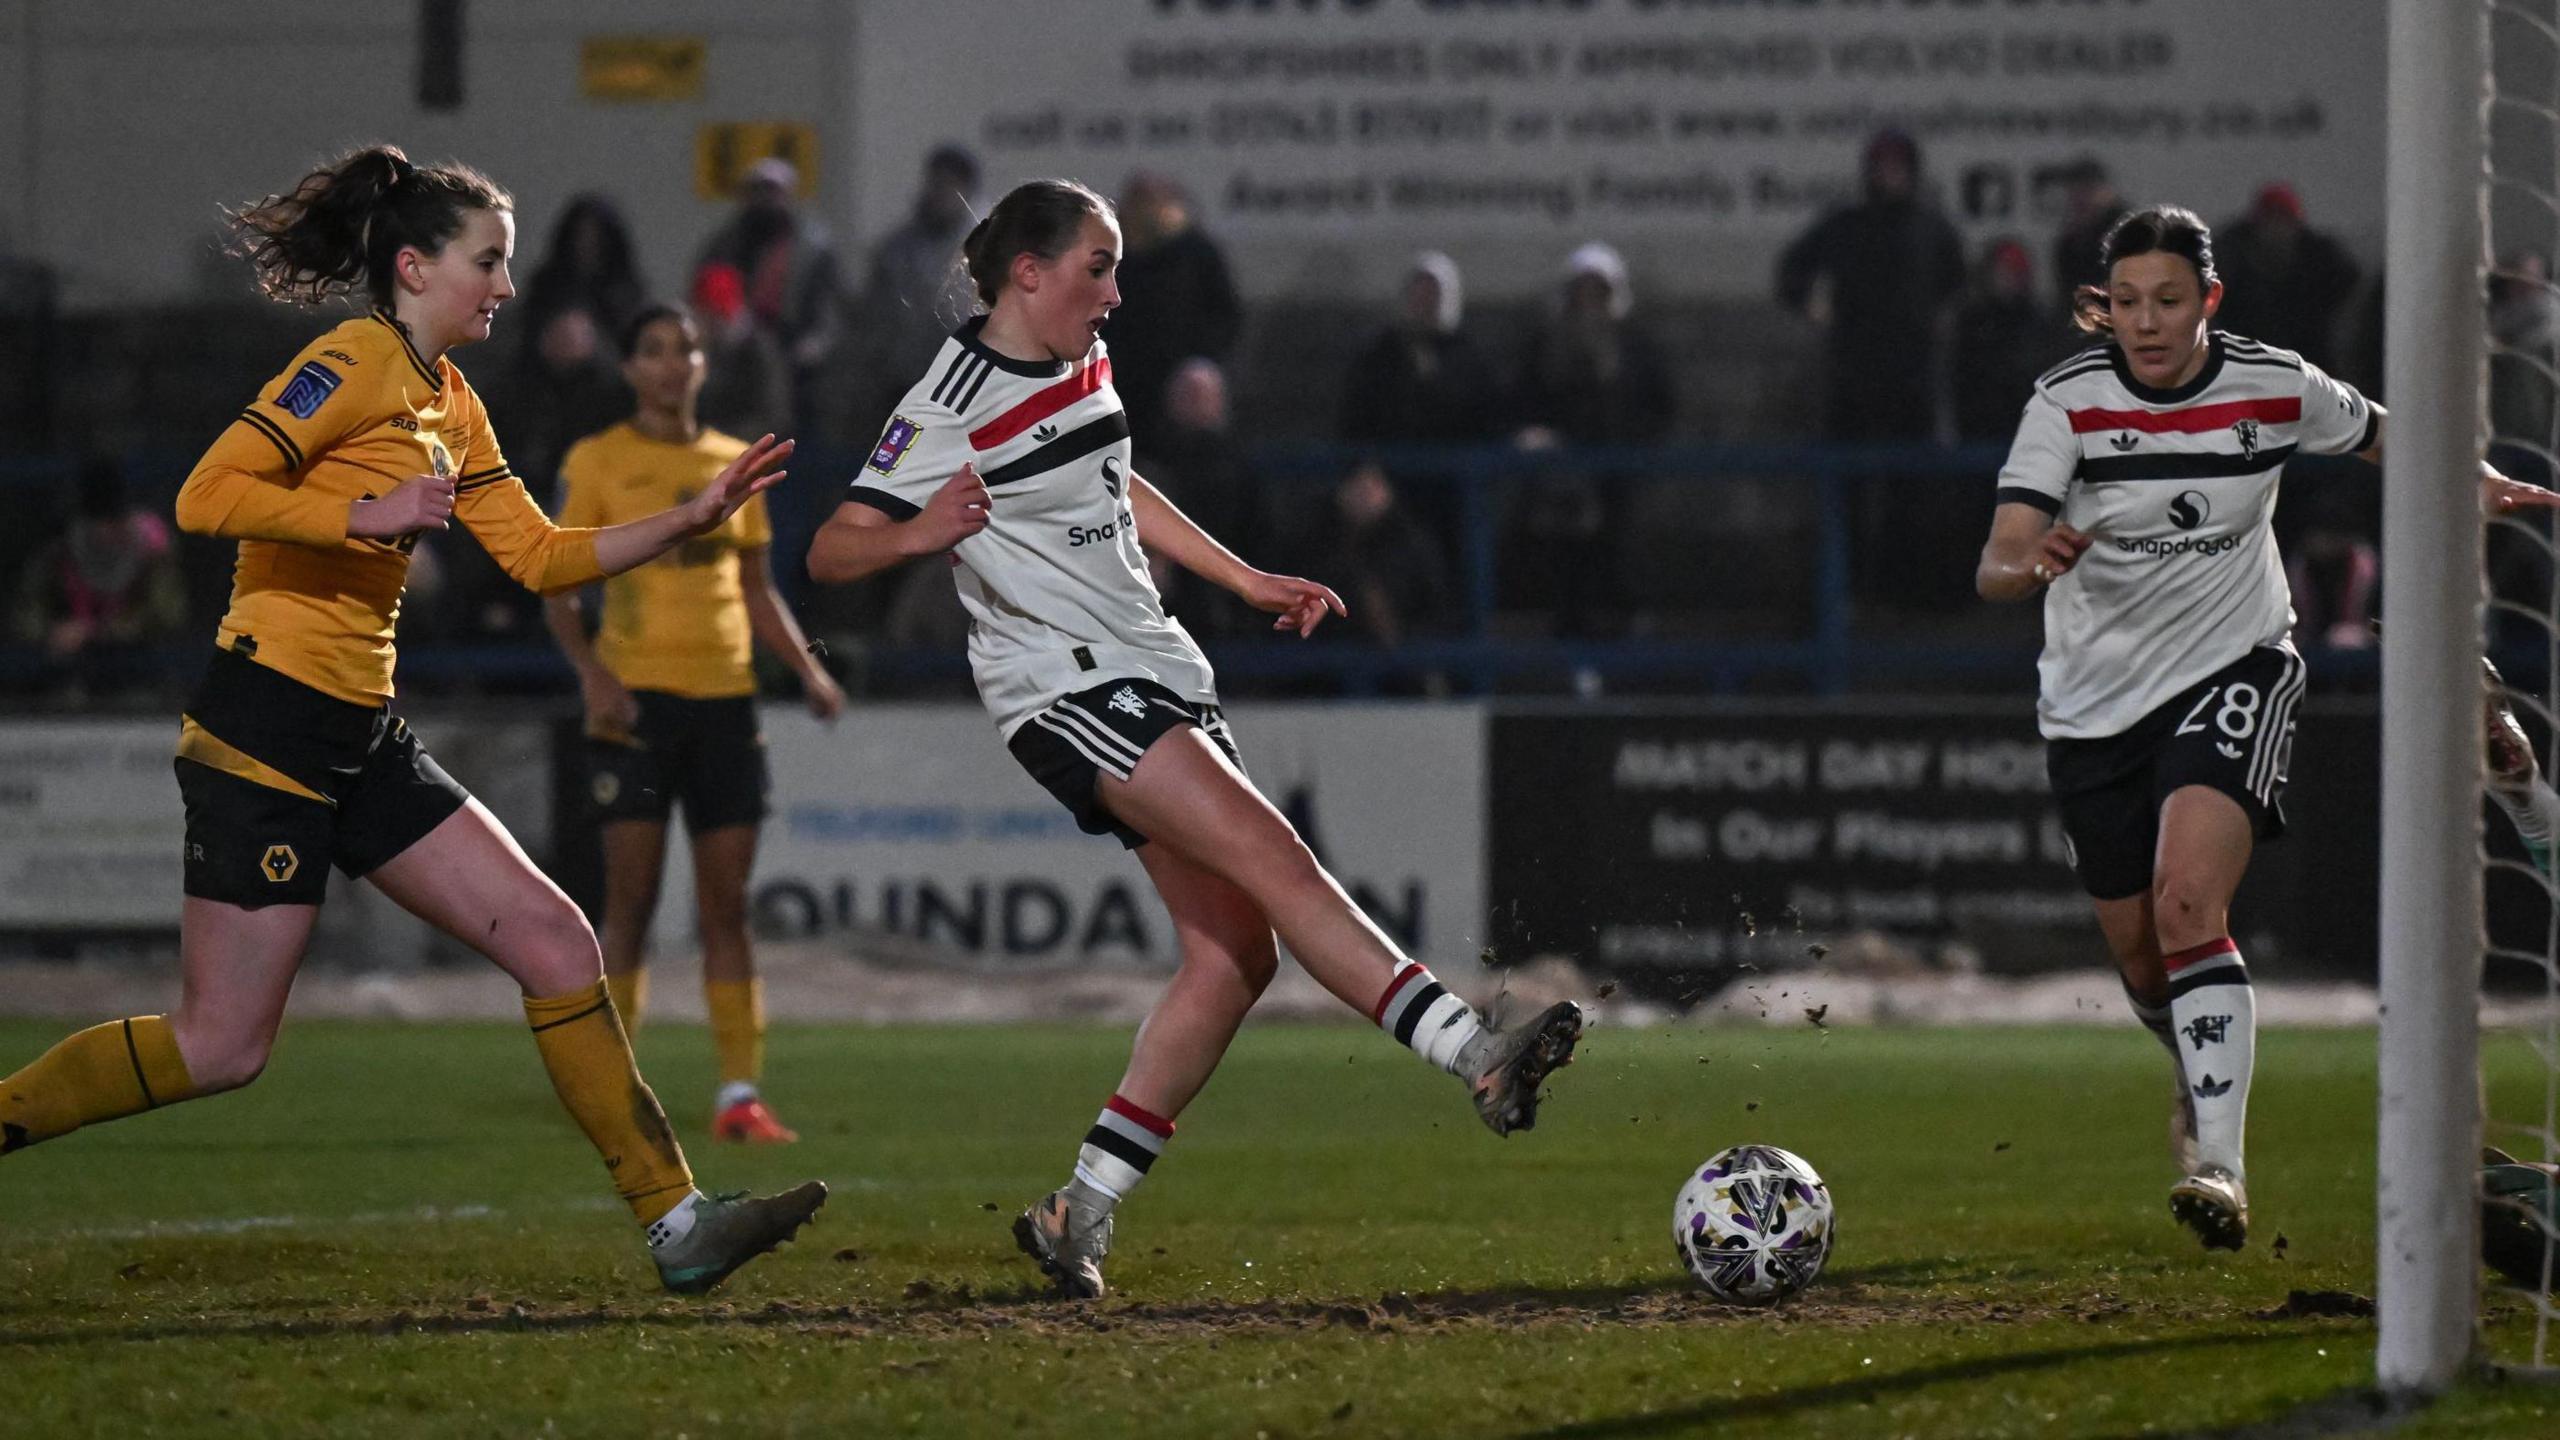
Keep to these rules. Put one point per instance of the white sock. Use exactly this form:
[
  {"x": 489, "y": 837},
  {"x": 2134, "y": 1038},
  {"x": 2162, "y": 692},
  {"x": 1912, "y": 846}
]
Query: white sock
[
  {"x": 734, "y": 1092},
  {"x": 2216, "y": 1015},
  {"x": 1422, "y": 1015},
  {"x": 676, "y": 1224},
  {"x": 2536, "y": 814}
]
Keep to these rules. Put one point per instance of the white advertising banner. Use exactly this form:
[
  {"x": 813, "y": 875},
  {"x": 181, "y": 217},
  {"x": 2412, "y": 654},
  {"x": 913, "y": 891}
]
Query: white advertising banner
[
  {"x": 89, "y": 825},
  {"x": 912, "y": 821},
  {"x": 1324, "y": 140}
]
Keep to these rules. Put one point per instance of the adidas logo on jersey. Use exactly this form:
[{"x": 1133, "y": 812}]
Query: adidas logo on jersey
[
  {"x": 1044, "y": 433},
  {"x": 1126, "y": 701},
  {"x": 2125, "y": 441}
]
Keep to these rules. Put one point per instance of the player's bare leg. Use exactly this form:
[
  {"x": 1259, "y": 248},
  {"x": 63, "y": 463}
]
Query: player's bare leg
[
  {"x": 470, "y": 879},
  {"x": 1228, "y": 958},
  {"x": 238, "y": 967},
  {"x": 2205, "y": 842},
  {"x": 732, "y": 996},
  {"x": 1184, "y": 795}
]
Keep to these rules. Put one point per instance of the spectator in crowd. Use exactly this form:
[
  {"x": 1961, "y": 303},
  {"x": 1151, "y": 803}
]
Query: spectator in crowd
[
  {"x": 102, "y": 592},
  {"x": 1177, "y": 299},
  {"x": 1192, "y": 456},
  {"x": 917, "y": 292},
  {"x": 2090, "y": 208},
  {"x": 2524, "y": 357},
  {"x": 1591, "y": 376},
  {"x": 749, "y": 389},
  {"x": 2285, "y": 283},
  {"x": 2004, "y": 340},
  {"x": 2334, "y": 573},
  {"x": 1892, "y": 268},
  {"x": 790, "y": 271},
  {"x": 590, "y": 266},
  {"x": 2524, "y": 333},
  {"x": 1380, "y": 560},
  {"x": 30, "y": 315},
  {"x": 1422, "y": 379},
  {"x": 565, "y": 387}
]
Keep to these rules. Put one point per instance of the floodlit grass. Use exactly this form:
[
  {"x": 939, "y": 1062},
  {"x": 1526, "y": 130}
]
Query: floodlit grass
[{"x": 397, "y": 1232}]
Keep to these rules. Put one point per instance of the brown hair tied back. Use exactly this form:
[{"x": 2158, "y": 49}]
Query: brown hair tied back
[
  {"x": 1037, "y": 217},
  {"x": 346, "y": 222},
  {"x": 2171, "y": 228}
]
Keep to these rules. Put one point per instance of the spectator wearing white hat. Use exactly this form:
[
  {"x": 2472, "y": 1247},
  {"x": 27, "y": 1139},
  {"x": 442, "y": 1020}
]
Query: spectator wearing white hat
[{"x": 1591, "y": 376}]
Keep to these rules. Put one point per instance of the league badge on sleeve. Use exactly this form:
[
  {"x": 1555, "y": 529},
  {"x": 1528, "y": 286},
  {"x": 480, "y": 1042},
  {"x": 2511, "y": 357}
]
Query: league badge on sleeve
[
  {"x": 310, "y": 385},
  {"x": 893, "y": 444}
]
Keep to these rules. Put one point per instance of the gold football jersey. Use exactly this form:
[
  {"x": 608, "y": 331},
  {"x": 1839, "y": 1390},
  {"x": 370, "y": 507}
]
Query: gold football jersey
[
  {"x": 355, "y": 415},
  {"x": 679, "y": 623}
]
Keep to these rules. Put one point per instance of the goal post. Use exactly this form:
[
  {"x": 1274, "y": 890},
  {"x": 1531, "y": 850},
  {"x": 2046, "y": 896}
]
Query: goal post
[{"x": 2427, "y": 1207}]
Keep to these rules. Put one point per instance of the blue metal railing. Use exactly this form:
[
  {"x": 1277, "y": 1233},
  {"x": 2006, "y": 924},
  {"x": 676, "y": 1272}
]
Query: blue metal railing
[{"x": 1830, "y": 651}]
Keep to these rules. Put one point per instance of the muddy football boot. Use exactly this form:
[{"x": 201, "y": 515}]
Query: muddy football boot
[
  {"x": 1069, "y": 1241},
  {"x": 1507, "y": 1066},
  {"x": 2214, "y": 1204},
  {"x": 730, "y": 1230}
]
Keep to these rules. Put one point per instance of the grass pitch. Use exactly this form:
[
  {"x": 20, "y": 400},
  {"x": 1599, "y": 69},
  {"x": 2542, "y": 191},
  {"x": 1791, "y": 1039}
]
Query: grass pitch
[{"x": 397, "y": 1232}]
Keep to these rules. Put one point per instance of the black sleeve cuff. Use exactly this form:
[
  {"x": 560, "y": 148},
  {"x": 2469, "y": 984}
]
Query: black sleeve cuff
[
  {"x": 2021, "y": 495},
  {"x": 884, "y": 502}
]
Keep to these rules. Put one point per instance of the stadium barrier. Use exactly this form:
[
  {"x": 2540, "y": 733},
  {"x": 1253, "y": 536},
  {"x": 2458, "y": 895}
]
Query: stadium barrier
[
  {"x": 1736, "y": 569},
  {"x": 1669, "y": 846}
]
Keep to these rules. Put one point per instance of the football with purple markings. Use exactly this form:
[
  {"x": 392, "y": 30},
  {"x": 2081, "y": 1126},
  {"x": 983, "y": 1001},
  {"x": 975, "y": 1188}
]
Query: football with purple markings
[{"x": 1753, "y": 1224}]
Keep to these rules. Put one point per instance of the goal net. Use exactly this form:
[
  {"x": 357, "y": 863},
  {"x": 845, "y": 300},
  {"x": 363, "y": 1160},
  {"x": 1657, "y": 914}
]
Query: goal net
[{"x": 2470, "y": 1038}]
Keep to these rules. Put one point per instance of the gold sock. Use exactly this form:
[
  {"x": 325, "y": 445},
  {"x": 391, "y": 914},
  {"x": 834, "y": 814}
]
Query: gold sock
[
  {"x": 589, "y": 1057},
  {"x": 630, "y": 991},
  {"x": 105, "y": 1072},
  {"x": 737, "y": 1027}
]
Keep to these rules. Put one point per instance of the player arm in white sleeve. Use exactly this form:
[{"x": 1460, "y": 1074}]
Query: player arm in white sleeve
[
  {"x": 917, "y": 495},
  {"x": 1301, "y": 605},
  {"x": 2338, "y": 421},
  {"x": 2029, "y": 547}
]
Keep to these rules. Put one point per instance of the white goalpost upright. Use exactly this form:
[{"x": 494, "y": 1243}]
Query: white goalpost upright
[{"x": 2427, "y": 1203}]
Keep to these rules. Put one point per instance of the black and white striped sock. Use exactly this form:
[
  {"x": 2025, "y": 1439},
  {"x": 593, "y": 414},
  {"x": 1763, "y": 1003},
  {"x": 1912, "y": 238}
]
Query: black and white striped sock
[
  {"x": 1419, "y": 1013},
  {"x": 1120, "y": 1148}
]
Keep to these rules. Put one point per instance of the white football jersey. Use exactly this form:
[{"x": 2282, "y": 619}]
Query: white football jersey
[
  {"x": 2177, "y": 489},
  {"x": 1056, "y": 587}
]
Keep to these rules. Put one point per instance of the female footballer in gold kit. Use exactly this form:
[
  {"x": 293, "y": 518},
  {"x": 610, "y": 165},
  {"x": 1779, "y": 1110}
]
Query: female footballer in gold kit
[
  {"x": 670, "y": 685},
  {"x": 289, "y": 757}
]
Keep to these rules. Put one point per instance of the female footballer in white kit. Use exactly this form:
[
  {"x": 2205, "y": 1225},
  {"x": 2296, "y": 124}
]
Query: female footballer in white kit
[
  {"x": 2138, "y": 500},
  {"x": 1012, "y": 454}
]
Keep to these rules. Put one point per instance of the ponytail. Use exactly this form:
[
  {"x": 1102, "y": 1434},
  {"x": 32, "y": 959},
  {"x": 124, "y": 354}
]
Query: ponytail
[
  {"x": 346, "y": 223},
  {"x": 1037, "y": 217}
]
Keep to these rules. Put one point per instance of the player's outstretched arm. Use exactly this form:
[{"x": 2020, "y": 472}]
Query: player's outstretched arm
[
  {"x": 860, "y": 541},
  {"x": 637, "y": 542},
  {"x": 1301, "y": 605},
  {"x": 2028, "y": 550},
  {"x": 2499, "y": 494}
]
